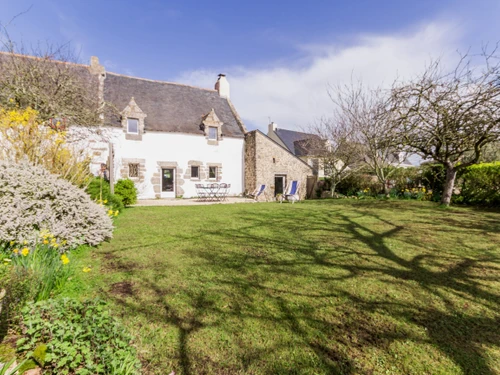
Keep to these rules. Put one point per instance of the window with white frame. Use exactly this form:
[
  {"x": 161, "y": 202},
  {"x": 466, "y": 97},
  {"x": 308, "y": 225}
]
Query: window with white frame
[
  {"x": 133, "y": 125},
  {"x": 195, "y": 171},
  {"x": 212, "y": 133},
  {"x": 212, "y": 172}
]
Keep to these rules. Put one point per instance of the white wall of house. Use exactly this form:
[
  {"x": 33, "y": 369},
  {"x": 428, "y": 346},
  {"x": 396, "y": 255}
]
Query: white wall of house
[{"x": 176, "y": 150}]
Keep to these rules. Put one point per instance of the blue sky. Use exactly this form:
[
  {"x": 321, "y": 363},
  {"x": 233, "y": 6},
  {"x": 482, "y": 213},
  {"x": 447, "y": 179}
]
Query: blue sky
[{"x": 280, "y": 56}]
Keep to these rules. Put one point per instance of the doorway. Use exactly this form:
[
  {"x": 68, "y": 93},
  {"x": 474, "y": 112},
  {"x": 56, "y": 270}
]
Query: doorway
[
  {"x": 168, "y": 183},
  {"x": 279, "y": 184}
]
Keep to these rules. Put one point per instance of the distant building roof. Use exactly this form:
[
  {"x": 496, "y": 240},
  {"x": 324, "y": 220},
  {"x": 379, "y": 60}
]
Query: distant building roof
[{"x": 290, "y": 137}]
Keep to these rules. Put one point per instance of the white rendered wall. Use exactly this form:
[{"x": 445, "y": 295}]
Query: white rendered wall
[{"x": 181, "y": 148}]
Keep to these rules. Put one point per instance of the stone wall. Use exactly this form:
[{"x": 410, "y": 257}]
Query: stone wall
[{"x": 264, "y": 159}]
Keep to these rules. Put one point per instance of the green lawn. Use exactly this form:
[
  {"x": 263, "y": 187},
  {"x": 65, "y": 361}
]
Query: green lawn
[{"x": 321, "y": 287}]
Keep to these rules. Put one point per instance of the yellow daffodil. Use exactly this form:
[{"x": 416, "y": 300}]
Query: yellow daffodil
[
  {"x": 64, "y": 259},
  {"x": 15, "y": 251},
  {"x": 25, "y": 242},
  {"x": 105, "y": 201},
  {"x": 116, "y": 213},
  {"x": 110, "y": 212},
  {"x": 86, "y": 269},
  {"x": 45, "y": 242},
  {"x": 12, "y": 243},
  {"x": 25, "y": 251},
  {"x": 55, "y": 245}
]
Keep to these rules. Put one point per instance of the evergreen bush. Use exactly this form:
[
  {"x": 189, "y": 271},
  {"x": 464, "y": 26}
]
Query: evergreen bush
[
  {"x": 33, "y": 200},
  {"x": 126, "y": 190}
]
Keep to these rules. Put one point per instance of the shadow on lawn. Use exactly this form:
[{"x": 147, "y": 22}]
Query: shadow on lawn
[{"x": 339, "y": 340}]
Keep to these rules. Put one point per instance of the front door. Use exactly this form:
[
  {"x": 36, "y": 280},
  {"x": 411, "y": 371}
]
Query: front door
[
  {"x": 279, "y": 184},
  {"x": 168, "y": 183}
]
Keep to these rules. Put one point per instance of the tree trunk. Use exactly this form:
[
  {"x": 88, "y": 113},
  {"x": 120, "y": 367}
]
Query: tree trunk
[{"x": 451, "y": 173}]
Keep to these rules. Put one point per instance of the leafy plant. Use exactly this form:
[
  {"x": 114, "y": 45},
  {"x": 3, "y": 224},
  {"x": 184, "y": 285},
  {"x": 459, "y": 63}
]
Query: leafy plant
[
  {"x": 126, "y": 190},
  {"x": 99, "y": 190},
  {"x": 80, "y": 338},
  {"x": 481, "y": 184}
]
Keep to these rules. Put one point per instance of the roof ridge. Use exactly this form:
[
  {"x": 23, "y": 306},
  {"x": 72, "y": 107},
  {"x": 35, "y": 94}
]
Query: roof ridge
[
  {"x": 46, "y": 58},
  {"x": 164, "y": 82}
]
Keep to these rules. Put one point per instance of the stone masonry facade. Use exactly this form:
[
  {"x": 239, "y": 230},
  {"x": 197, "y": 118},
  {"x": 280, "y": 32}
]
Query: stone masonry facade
[{"x": 264, "y": 159}]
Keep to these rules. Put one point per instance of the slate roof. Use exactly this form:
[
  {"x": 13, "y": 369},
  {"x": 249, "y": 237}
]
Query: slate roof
[
  {"x": 289, "y": 137},
  {"x": 170, "y": 107}
]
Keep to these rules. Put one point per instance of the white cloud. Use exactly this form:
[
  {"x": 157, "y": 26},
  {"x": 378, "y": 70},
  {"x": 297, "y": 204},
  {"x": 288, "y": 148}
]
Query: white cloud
[{"x": 295, "y": 95}]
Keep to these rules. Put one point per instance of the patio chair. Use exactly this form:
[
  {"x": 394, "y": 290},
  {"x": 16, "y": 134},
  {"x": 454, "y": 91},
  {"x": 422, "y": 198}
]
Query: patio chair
[
  {"x": 261, "y": 189},
  {"x": 213, "y": 192},
  {"x": 223, "y": 191},
  {"x": 291, "y": 192},
  {"x": 201, "y": 192}
]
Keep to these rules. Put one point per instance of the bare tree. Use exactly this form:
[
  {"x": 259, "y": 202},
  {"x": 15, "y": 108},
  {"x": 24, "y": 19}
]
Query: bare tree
[
  {"x": 366, "y": 113},
  {"x": 450, "y": 117},
  {"x": 337, "y": 148},
  {"x": 48, "y": 79}
]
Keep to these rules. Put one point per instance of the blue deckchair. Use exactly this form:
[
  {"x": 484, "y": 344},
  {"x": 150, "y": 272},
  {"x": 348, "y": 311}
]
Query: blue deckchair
[
  {"x": 292, "y": 191},
  {"x": 261, "y": 189}
]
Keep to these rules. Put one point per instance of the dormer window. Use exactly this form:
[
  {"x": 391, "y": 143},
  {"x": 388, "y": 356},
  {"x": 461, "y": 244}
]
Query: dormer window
[
  {"x": 212, "y": 133},
  {"x": 133, "y": 126}
]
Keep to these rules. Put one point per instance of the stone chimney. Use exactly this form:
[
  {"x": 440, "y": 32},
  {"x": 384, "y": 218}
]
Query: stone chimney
[
  {"x": 271, "y": 128},
  {"x": 99, "y": 71},
  {"x": 222, "y": 86}
]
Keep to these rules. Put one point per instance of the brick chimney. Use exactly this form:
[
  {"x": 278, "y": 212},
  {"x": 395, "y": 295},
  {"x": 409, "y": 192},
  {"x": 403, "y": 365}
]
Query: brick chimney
[{"x": 222, "y": 86}]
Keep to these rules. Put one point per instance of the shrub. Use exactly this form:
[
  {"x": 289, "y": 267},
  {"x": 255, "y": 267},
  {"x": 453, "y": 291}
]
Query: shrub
[
  {"x": 32, "y": 201},
  {"x": 480, "y": 184},
  {"x": 23, "y": 136},
  {"x": 126, "y": 190},
  {"x": 67, "y": 336},
  {"x": 433, "y": 178},
  {"x": 99, "y": 190}
]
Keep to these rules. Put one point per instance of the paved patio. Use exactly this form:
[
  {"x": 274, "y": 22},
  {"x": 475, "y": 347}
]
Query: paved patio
[{"x": 189, "y": 202}]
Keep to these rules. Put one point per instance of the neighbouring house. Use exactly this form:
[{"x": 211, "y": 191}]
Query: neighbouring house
[
  {"x": 305, "y": 146},
  {"x": 269, "y": 162},
  {"x": 168, "y": 137}
]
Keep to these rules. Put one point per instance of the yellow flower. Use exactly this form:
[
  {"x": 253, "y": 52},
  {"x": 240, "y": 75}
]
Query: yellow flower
[
  {"x": 12, "y": 243},
  {"x": 86, "y": 269},
  {"x": 116, "y": 213},
  {"x": 15, "y": 251},
  {"x": 25, "y": 242},
  {"x": 53, "y": 240},
  {"x": 64, "y": 242},
  {"x": 11, "y": 100},
  {"x": 6, "y": 261},
  {"x": 110, "y": 212},
  {"x": 45, "y": 242},
  {"x": 105, "y": 201},
  {"x": 55, "y": 245},
  {"x": 25, "y": 251},
  {"x": 64, "y": 259}
]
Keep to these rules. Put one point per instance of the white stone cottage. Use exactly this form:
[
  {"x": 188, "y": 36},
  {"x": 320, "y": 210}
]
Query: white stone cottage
[{"x": 167, "y": 137}]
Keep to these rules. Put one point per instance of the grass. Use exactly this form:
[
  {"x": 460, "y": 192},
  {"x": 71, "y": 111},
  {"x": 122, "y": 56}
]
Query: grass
[{"x": 321, "y": 287}]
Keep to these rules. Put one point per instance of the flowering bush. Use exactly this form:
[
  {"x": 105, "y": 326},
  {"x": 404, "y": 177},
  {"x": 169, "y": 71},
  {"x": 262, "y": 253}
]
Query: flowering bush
[
  {"x": 33, "y": 201},
  {"x": 23, "y": 136}
]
